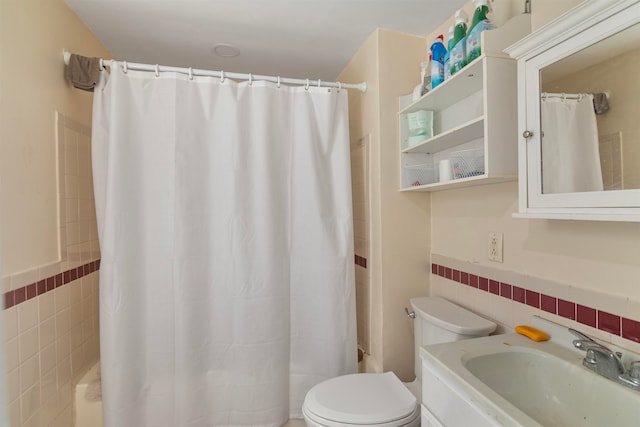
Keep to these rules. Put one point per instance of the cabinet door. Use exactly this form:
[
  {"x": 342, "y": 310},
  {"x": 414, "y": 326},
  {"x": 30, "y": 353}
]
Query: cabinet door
[{"x": 574, "y": 162}]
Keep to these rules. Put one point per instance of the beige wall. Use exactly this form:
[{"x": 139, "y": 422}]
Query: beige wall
[
  {"x": 591, "y": 258},
  {"x": 45, "y": 228},
  {"x": 399, "y": 228},
  {"x": 404, "y": 235},
  {"x": 587, "y": 254},
  {"x": 601, "y": 256},
  {"x": 588, "y": 257},
  {"x": 32, "y": 37},
  {"x": 364, "y": 109}
]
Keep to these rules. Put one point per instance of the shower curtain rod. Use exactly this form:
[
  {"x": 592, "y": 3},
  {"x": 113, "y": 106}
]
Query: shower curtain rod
[
  {"x": 362, "y": 87},
  {"x": 600, "y": 99},
  {"x": 568, "y": 95}
]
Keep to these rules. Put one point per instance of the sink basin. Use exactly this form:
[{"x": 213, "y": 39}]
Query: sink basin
[
  {"x": 553, "y": 391},
  {"x": 509, "y": 380}
]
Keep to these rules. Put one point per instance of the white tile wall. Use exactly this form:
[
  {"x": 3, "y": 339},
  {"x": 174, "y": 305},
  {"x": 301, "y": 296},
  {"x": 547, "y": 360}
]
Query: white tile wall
[
  {"x": 53, "y": 338},
  {"x": 48, "y": 351}
]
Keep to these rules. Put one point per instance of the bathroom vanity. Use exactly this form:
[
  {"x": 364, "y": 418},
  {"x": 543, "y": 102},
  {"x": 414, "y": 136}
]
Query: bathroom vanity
[{"x": 510, "y": 380}]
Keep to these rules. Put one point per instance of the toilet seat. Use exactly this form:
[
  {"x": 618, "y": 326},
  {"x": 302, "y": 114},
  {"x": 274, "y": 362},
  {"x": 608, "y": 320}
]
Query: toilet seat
[{"x": 379, "y": 400}]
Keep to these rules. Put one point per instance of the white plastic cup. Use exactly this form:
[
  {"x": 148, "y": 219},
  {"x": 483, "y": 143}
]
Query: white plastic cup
[{"x": 445, "y": 170}]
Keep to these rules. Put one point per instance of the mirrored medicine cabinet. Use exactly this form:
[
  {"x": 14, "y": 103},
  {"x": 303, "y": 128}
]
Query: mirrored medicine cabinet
[{"x": 579, "y": 114}]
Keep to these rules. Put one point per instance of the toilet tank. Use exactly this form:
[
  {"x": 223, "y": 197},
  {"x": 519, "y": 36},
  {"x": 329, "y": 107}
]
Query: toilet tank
[{"x": 438, "y": 321}]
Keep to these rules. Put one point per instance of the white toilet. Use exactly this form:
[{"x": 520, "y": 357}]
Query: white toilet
[{"x": 382, "y": 400}]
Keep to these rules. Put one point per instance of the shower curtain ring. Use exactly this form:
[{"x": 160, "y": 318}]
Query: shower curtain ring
[
  {"x": 250, "y": 79},
  {"x": 306, "y": 85},
  {"x": 124, "y": 67},
  {"x": 222, "y": 76},
  {"x": 318, "y": 83},
  {"x": 339, "y": 87},
  {"x": 190, "y": 73},
  {"x": 157, "y": 71},
  {"x": 101, "y": 65},
  {"x": 278, "y": 82}
]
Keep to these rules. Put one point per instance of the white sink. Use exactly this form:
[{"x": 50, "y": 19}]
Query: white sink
[{"x": 509, "y": 380}]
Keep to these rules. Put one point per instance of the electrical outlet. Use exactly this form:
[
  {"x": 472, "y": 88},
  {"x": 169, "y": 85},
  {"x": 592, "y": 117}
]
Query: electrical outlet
[{"x": 495, "y": 247}]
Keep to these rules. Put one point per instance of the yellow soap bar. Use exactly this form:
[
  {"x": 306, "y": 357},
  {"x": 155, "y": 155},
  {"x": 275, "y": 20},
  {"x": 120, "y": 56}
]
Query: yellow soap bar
[{"x": 532, "y": 333}]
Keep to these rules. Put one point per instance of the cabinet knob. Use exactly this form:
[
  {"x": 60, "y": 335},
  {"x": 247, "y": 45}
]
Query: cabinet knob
[{"x": 527, "y": 134}]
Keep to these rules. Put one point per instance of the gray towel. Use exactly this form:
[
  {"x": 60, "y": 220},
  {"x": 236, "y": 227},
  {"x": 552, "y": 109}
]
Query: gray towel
[
  {"x": 83, "y": 72},
  {"x": 600, "y": 103}
]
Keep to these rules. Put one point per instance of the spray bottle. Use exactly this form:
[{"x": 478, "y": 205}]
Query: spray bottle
[
  {"x": 425, "y": 76},
  {"x": 447, "y": 56},
  {"x": 479, "y": 23},
  {"x": 425, "y": 80},
  {"x": 438, "y": 52},
  {"x": 458, "y": 52}
]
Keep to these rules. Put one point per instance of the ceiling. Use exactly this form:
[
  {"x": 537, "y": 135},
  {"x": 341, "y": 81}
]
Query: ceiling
[{"x": 292, "y": 38}]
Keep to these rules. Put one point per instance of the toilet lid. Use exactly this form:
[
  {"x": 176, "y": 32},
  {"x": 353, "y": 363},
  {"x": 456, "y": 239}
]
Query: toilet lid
[
  {"x": 361, "y": 399},
  {"x": 452, "y": 317}
]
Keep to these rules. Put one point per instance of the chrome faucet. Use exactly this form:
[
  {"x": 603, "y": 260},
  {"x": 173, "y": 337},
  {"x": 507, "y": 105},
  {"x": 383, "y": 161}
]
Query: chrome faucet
[{"x": 605, "y": 362}]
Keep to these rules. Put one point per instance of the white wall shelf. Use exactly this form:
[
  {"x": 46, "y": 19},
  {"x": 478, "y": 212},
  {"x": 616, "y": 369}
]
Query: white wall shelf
[
  {"x": 473, "y": 111},
  {"x": 465, "y": 82},
  {"x": 449, "y": 139}
]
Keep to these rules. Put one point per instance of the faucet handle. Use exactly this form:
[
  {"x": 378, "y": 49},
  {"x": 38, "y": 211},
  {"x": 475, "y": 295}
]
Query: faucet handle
[
  {"x": 634, "y": 370},
  {"x": 590, "y": 357},
  {"x": 585, "y": 343},
  {"x": 580, "y": 335},
  {"x": 631, "y": 378}
]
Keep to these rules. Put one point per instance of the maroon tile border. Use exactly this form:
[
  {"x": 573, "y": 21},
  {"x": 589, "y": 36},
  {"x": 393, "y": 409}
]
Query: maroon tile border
[
  {"x": 448, "y": 273},
  {"x": 25, "y": 293},
  {"x": 494, "y": 287},
  {"x": 609, "y": 322},
  {"x": 605, "y": 321},
  {"x": 474, "y": 280},
  {"x": 483, "y": 283},
  {"x": 361, "y": 261},
  {"x": 631, "y": 330},
  {"x": 505, "y": 290},
  {"x": 518, "y": 294},
  {"x": 532, "y": 298},
  {"x": 464, "y": 278},
  {"x": 567, "y": 309},
  {"x": 548, "y": 303}
]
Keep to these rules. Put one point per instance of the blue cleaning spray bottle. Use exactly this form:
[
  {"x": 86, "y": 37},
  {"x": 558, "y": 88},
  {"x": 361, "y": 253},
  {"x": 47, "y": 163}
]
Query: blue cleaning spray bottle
[{"x": 438, "y": 52}]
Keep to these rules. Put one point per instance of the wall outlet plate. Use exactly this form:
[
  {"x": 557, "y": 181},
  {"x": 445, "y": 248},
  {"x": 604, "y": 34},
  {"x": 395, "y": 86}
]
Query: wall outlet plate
[{"x": 495, "y": 247}]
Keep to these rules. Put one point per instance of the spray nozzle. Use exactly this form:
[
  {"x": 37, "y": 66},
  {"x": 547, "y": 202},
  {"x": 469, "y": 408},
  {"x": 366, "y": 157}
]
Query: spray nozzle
[
  {"x": 480, "y": 3},
  {"x": 461, "y": 17}
]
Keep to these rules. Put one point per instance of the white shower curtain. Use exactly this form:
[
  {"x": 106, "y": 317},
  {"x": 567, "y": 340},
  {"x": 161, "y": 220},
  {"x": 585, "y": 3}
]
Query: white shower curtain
[
  {"x": 570, "y": 151},
  {"x": 225, "y": 225}
]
